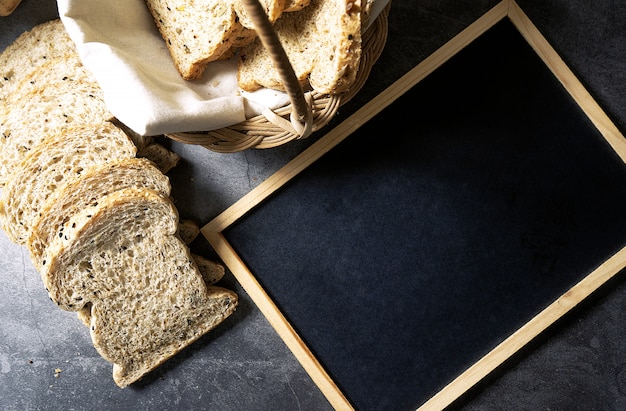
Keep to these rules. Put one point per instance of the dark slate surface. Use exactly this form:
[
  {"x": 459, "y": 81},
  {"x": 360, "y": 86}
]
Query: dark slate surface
[
  {"x": 402, "y": 265},
  {"x": 579, "y": 363}
]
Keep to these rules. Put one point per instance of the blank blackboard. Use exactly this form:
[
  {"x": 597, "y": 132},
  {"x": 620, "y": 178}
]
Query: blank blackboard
[{"x": 441, "y": 226}]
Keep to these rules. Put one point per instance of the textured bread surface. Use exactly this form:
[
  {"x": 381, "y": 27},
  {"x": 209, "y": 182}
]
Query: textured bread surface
[
  {"x": 30, "y": 50},
  {"x": 211, "y": 272},
  {"x": 188, "y": 230},
  {"x": 54, "y": 71},
  {"x": 295, "y": 5},
  {"x": 97, "y": 181},
  {"x": 199, "y": 32},
  {"x": 44, "y": 111},
  {"x": 57, "y": 161},
  {"x": 322, "y": 41},
  {"x": 196, "y": 33},
  {"x": 123, "y": 259}
]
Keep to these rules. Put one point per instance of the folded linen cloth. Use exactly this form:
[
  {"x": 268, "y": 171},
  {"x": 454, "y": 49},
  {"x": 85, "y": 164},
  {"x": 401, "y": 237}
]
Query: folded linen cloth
[{"x": 119, "y": 43}]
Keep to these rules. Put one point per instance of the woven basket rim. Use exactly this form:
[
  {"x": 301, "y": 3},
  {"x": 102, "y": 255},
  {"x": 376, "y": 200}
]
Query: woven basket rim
[{"x": 268, "y": 131}]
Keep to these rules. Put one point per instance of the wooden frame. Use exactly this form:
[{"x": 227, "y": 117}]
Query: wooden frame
[{"x": 213, "y": 231}]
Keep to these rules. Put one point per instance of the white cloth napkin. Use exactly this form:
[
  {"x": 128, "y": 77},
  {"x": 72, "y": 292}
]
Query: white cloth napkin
[{"x": 119, "y": 43}]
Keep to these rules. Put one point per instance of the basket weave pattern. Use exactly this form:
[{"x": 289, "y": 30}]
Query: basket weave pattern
[{"x": 273, "y": 128}]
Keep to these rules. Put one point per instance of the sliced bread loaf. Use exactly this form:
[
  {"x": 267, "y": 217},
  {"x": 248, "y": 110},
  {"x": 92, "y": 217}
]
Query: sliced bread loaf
[
  {"x": 63, "y": 157},
  {"x": 322, "y": 41},
  {"x": 148, "y": 301},
  {"x": 30, "y": 50},
  {"x": 93, "y": 183}
]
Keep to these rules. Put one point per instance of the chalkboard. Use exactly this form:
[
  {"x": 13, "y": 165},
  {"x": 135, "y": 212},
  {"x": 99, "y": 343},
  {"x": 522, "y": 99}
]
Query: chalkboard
[{"x": 441, "y": 226}]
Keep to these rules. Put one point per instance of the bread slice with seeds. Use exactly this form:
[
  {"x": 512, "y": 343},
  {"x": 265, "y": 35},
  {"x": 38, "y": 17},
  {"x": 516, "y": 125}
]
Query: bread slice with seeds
[
  {"x": 97, "y": 181},
  {"x": 160, "y": 155},
  {"x": 45, "y": 111},
  {"x": 295, "y": 5},
  {"x": 273, "y": 10},
  {"x": 62, "y": 158},
  {"x": 54, "y": 71},
  {"x": 210, "y": 271},
  {"x": 322, "y": 41},
  {"x": 148, "y": 301},
  {"x": 195, "y": 33},
  {"x": 30, "y": 50}
]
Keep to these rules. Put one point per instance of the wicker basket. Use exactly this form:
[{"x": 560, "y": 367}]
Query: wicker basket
[{"x": 277, "y": 127}]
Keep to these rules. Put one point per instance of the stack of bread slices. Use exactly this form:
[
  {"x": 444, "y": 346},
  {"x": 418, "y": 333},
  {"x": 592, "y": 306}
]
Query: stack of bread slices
[
  {"x": 322, "y": 39},
  {"x": 91, "y": 202}
]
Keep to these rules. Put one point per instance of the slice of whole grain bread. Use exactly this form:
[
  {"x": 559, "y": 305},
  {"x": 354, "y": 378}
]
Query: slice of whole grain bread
[
  {"x": 30, "y": 50},
  {"x": 295, "y": 5},
  {"x": 273, "y": 10},
  {"x": 195, "y": 33},
  {"x": 160, "y": 155},
  {"x": 95, "y": 182},
  {"x": 210, "y": 271},
  {"x": 60, "y": 159},
  {"x": 322, "y": 41},
  {"x": 54, "y": 71},
  {"x": 44, "y": 111},
  {"x": 148, "y": 301}
]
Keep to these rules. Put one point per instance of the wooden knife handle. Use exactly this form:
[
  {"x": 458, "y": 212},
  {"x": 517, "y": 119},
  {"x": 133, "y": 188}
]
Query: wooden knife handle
[{"x": 7, "y": 6}]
